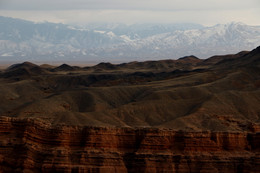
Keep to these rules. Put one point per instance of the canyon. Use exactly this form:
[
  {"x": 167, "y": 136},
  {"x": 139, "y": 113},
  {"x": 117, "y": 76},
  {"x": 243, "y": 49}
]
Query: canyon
[{"x": 185, "y": 115}]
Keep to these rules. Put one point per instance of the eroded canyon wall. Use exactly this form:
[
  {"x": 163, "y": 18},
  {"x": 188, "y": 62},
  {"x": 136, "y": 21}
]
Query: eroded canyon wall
[{"x": 33, "y": 146}]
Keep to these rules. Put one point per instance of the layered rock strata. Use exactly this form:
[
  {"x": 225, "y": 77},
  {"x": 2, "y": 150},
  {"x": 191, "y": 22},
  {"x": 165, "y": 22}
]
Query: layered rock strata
[{"x": 31, "y": 145}]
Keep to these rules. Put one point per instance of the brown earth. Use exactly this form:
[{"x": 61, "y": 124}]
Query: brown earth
[{"x": 185, "y": 115}]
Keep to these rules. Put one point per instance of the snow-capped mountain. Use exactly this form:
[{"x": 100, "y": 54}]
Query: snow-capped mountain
[
  {"x": 25, "y": 40},
  {"x": 205, "y": 42},
  {"x": 140, "y": 31}
]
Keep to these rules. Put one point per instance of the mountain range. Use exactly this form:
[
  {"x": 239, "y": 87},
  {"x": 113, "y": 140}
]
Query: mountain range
[{"x": 22, "y": 40}]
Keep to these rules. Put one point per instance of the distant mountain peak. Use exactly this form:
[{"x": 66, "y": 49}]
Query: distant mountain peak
[
  {"x": 188, "y": 57},
  {"x": 63, "y": 67},
  {"x": 22, "y": 65}
]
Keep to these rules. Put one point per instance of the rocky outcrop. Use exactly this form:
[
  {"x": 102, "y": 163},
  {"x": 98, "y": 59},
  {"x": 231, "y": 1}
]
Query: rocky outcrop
[{"x": 32, "y": 145}]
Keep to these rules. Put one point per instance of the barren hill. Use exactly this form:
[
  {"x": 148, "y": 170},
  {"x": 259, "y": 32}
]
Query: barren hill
[
  {"x": 133, "y": 116},
  {"x": 173, "y": 94}
]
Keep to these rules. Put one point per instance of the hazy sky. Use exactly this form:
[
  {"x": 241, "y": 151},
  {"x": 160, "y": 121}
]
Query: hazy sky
[{"x": 207, "y": 12}]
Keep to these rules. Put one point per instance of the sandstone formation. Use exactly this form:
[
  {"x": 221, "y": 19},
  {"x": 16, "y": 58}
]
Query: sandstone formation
[{"x": 34, "y": 146}]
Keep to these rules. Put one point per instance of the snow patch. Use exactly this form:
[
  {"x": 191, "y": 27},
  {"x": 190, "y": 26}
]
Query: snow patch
[
  {"x": 125, "y": 37},
  {"x": 7, "y": 54},
  {"x": 101, "y": 32},
  {"x": 77, "y": 29},
  {"x": 111, "y": 34}
]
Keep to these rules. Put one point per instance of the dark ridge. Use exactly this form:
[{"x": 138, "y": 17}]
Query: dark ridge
[
  {"x": 22, "y": 65},
  {"x": 191, "y": 57},
  {"x": 242, "y": 53},
  {"x": 17, "y": 73},
  {"x": 105, "y": 66},
  {"x": 23, "y": 70},
  {"x": 190, "y": 61},
  {"x": 47, "y": 66},
  {"x": 109, "y": 79},
  {"x": 63, "y": 67},
  {"x": 245, "y": 60},
  {"x": 218, "y": 58},
  {"x": 256, "y": 51},
  {"x": 168, "y": 64}
]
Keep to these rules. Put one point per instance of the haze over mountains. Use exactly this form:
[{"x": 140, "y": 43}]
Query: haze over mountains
[{"x": 22, "y": 40}]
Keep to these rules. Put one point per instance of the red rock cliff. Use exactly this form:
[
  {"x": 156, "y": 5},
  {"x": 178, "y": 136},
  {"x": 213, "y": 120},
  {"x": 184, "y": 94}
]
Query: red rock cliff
[{"x": 33, "y": 146}]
